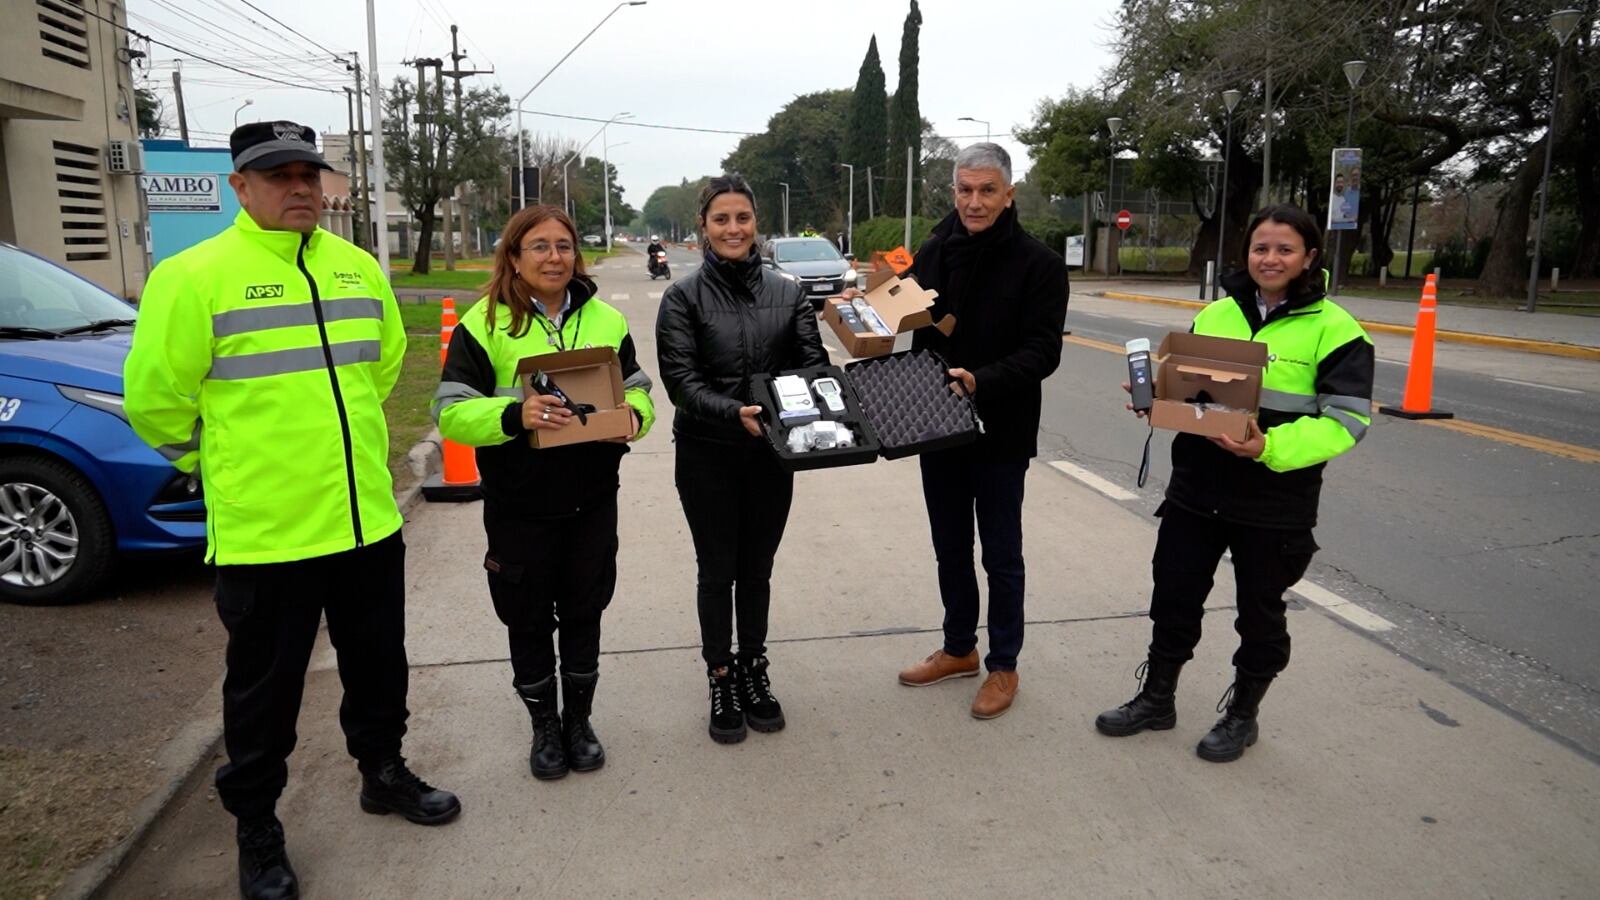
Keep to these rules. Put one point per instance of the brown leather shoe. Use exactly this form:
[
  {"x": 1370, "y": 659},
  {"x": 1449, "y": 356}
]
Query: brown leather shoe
[
  {"x": 940, "y": 666},
  {"x": 995, "y": 697}
]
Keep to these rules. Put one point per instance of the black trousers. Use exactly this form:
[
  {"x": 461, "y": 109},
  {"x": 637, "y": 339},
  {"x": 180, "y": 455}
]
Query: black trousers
[
  {"x": 552, "y": 576},
  {"x": 959, "y": 485},
  {"x": 272, "y": 612},
  {"x": 1266, "y": 562},
  {"x": 736, "y": 499}
]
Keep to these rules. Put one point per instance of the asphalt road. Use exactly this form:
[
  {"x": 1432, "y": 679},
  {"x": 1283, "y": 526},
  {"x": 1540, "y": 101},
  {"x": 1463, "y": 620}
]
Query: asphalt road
[{"x": 1482, "y": 553}]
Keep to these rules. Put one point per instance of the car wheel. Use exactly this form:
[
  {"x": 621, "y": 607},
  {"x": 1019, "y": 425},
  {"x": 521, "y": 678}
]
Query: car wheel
[{"x": 56, "y": 540}]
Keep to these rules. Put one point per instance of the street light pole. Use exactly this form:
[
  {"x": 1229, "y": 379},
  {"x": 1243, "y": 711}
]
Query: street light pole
[
  {"x": 1113, "y": 264},
  {"x": 850, "y": 215},
  {"x": 1353, "y": 70},
  {"x": 239, "y": 110},
  {"x": 379, "y": 172},
  {"x": 1561, "y": 25},
  {"x": 522, "y": 187},
  {"x": 785, "y": 186},
  {"x": 987, "y": 137},
  {"x": 1230, "y": 99},
  {"x": 565, "y": 198}
]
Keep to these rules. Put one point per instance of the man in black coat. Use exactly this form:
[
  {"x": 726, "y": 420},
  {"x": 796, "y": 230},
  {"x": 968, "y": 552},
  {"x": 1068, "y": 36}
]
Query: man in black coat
[{"x": 1008, "y": 293}]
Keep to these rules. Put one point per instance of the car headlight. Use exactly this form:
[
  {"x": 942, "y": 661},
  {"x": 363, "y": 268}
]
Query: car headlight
[
  {"x": 850, "y": 276},
  {"x": 181, "y": 488},
  {"x": 790, "y": 275},
  {"x": 111, "y": 403}
]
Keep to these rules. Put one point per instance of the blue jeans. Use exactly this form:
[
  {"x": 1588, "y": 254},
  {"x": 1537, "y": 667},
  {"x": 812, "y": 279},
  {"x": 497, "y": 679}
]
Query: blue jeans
[{"x": 959, "y": 486}]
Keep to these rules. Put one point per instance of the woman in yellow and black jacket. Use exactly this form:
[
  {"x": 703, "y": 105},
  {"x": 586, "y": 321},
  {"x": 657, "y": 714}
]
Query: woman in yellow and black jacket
[
  {"x": 1257, "y": 498},
  {"x": 550, "y": 514}
]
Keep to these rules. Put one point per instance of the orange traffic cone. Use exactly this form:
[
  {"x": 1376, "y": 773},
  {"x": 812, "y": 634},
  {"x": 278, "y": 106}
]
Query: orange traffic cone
[
  {"x": 458, "y": 483},
  {"x": 1418, "y": 400}
]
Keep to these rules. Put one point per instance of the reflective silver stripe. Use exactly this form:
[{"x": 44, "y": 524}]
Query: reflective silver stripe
[
  {"x": 638, "y": 380},
  {"x": 300, "y": 359},
  {"x": 1356, "y": 427},
  {"x": 451, "y": 392},
  {"x": 1284, "y": 401},
  {"x": 290, "y": 315},
  {"x": 1360, "y": 405},
  {"x": 175, "y": 452}
]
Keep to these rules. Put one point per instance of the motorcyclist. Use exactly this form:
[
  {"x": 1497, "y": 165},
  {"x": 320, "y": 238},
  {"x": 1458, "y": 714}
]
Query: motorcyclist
[{"x": 650, "y": 253}]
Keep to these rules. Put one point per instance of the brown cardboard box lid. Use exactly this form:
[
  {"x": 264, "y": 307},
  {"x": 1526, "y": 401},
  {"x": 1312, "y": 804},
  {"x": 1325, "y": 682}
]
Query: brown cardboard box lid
[
  {"x": 1205, "y": 346},
  {"x": 587, "y": 375},
  {"x": 902, "y": 303}
]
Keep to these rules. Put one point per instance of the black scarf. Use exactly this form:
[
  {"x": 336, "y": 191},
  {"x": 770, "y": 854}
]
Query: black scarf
[
  {"x": 744, "y": 273},
  {"x": 963, "y": 252}
]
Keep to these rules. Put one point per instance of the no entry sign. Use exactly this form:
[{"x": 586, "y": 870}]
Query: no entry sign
[{"x": 1124, "y": 219}]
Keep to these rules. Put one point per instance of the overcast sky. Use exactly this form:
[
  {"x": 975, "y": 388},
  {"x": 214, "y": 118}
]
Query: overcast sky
[{"x": 696, "y": 63}]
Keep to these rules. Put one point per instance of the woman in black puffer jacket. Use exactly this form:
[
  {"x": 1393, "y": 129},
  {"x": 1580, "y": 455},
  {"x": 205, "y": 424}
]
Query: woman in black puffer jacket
[{"x": 731, "y": 320}]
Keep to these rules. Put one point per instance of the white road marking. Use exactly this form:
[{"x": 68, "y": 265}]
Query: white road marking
[
  {"x": 1339, "y": 606},
  {"x": 1149, "y": 324},
  {"x": 1545, "y": 387},
  {"x": 1393, "y": 362},
  {"x": 654, "y": 295},
  {"x": 1092, "y": 480},
  {"x": 1093, "y": 315},
  {"x": 619, "y": 296}
]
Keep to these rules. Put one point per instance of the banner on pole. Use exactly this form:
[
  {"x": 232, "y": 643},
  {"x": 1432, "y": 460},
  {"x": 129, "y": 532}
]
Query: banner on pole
[{"x": 1344, "y": 194}]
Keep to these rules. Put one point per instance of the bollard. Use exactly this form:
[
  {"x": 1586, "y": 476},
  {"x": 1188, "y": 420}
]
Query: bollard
[
  {"x": 1383, "y": 277},
  {"x": 1555, "y": 280},
  {"x": 458, "y": 482},
  {"x": 1211, "y": 271},
  {"x": 1418, "y": 400}
]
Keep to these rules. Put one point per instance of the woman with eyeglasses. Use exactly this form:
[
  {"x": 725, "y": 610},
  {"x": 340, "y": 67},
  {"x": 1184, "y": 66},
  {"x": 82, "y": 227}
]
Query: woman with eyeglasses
[
  {"x": 550, "y": 514},
  {"x": 730, "y": 320}
]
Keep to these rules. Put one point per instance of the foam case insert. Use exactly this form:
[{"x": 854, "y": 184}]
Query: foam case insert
[{"x": 908, "y": 401}]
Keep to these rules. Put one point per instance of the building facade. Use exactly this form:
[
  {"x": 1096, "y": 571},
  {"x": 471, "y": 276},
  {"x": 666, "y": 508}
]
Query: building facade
[{"x": 69, "y": 149}]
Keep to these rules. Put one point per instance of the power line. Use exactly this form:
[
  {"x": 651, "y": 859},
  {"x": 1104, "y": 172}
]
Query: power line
[
  {"x": 232, "y": 45},
  {"x": 159, "y": 43},
  {"x": 632, "y": 124},
  {"x": 288, "y": 26}
]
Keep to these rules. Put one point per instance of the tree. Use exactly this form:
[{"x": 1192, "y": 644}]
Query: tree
[
  {"x": 905, "y": 120},
  {"x": 149, "y": 108},
  {"x": 938, "y": 174},
  {"x": 801, "y": 146},
  {"x": 671, "y": 209},
  {"x": 445, "y": 149},
  {"x": 868, "y": 137}
]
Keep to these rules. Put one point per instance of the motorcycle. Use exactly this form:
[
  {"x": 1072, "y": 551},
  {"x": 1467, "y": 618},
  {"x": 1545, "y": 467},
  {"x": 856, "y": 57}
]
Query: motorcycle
[{"x": 658, "y": 266}]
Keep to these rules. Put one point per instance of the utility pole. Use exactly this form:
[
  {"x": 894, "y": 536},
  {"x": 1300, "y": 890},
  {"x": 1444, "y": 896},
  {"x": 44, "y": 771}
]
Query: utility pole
[
  {"x": 869, "y": 192},
  {"x": 379, "y": 188},
  {"x": 177, "y": 89},
  {"x": 364, "y": 190},
  {"x": 457, "y": 73},
  {"x": 907, "y": 243},
  {"x": 356, "y": 230}
]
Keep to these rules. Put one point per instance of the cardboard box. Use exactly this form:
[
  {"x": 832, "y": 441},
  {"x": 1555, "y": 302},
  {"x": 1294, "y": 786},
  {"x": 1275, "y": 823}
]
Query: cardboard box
[
  {"x": 1227, "y": 370},
  {"x": 591, "y": 375},
  {"x": 900, "y": 302}
]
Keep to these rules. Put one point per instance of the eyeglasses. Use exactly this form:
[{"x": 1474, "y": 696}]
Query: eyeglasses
[{"x": 541, "y": 248}]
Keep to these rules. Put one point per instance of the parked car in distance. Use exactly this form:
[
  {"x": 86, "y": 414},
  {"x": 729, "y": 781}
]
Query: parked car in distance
[
  {"x": 815, "y": 263},
  {"x": 77, "y": 487}
]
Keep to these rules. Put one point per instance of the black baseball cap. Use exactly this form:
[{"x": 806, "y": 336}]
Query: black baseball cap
[{"x": 267, "y": 145}]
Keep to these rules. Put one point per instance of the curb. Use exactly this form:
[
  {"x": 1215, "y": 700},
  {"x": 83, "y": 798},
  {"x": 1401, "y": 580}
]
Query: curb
[
  {"x": 1525, "y": 345},
  {"x": 181, "y": 761}
]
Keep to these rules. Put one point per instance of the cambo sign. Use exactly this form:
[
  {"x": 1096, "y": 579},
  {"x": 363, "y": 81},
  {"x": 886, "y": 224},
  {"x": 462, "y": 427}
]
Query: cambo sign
[{"x": 200, "y": 192}]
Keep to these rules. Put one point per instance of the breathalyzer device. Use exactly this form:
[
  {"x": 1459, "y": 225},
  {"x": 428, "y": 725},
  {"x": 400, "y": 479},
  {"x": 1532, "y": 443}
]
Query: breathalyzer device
[{"x": 1141, "y": 382}]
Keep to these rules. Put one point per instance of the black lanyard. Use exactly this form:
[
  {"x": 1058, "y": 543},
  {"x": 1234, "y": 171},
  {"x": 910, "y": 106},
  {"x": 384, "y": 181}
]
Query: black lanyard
[{"x": 553, "y": 334}]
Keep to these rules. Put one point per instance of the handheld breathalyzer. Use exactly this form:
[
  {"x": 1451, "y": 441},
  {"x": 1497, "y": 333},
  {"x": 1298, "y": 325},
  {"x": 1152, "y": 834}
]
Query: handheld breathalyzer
[{"x": 1141, "y": 383}]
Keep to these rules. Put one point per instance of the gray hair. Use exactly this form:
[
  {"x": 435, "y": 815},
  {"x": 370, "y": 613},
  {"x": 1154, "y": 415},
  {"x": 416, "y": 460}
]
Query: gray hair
[{"x": 983, "y": 156}]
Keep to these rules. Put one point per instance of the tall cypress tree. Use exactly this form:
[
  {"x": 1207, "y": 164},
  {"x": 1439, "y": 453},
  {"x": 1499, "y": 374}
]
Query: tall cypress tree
[
  {"x": 905, "y": 122},
  {"x": 868, "y": 139}
]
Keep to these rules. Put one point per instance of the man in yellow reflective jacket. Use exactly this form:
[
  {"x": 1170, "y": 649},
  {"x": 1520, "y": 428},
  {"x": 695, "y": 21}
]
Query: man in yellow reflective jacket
[{"x": 260, "y": 362}]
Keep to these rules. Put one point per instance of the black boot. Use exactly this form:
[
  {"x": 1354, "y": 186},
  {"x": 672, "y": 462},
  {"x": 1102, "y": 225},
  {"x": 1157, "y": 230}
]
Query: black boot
[
  {"x": 584, "y": 753},
  {"x": 1152, "y": 708},
  {"x": 264, "y": 870},
  {"x": 390, "y": 787},
  {"x": 548, "y": 756},
  {"x": 761, "y": 709},
  {"x": 727, "y": 716},
  {"x": 1237, "y": 729}
]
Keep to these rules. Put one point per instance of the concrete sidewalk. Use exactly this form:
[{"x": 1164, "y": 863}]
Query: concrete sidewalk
[
  {"x": 1503, "y": 328},
  {"x": 1373, "y": 777}
]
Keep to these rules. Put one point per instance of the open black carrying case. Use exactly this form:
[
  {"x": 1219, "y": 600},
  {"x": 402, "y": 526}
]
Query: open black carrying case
[{"x": 897, "y": 405}]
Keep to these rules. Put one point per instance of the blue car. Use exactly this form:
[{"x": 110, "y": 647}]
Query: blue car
[{"x": 77, "y": 486}]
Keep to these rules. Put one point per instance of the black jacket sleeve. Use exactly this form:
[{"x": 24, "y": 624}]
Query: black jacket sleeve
[
  {"x": 677, "y": 351},
  {"x": 808, "y": 338},
  {"x": 1044, "y": 299}
]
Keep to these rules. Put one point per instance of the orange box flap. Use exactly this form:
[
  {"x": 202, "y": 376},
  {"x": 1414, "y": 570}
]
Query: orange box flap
[{"x": 1218, "y": 375}]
